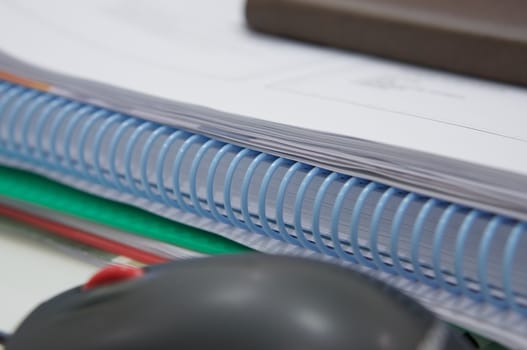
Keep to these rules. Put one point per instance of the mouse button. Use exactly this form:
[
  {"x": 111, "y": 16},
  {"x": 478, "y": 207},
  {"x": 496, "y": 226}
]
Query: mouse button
[{"x": 113, "y": 274}]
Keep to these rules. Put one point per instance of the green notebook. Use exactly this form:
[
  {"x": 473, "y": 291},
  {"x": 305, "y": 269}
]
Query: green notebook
[{"x": 34, "y": 189}]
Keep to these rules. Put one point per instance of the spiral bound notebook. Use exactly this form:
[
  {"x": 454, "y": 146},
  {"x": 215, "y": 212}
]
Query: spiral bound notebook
[
  {"x": 471, "y": 253},
  {"x": 407, "y": 174}
]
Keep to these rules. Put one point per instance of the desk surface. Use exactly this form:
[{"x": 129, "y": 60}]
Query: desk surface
[{"x": 32, "y": 271}]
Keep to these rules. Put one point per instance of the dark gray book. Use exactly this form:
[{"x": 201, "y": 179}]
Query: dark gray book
[{"x": 485, "y": 38}]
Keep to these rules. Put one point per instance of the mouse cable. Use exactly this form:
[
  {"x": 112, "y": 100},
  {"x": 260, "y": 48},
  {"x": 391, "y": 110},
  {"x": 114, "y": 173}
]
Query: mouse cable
[{"x": 3, "y": 337}]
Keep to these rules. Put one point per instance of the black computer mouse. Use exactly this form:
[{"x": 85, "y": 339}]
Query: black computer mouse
[{"x": 247, "y": 301}]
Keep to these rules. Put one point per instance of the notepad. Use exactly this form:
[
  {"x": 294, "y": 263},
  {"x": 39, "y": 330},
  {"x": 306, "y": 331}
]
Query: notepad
[{"x": 411, "y": 175}]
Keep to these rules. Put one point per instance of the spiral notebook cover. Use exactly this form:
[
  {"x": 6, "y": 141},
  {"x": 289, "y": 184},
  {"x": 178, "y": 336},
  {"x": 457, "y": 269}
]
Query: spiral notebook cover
[
  {"x": 464, "y": 263},
  {"x": 175, "y": 64}
]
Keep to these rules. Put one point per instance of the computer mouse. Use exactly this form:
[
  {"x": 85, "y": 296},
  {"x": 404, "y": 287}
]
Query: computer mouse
[{"x": 245, "y": 301}]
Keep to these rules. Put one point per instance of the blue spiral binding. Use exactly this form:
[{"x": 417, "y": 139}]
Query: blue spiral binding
[
  {"x": 395, "y": 233},
  {"x": 316, "y": 214},
  {"x": 154, "y": 136},
  {"x": 227, "y": 186},
  {"x": 280, "y": 200},
  {"x": 299, "y": 200},
  {"x": 210, "y": 144},
  {"x": 336, "y": 217},
  {"x": 374, "y": 230},
  {"x": 262, "y": 196},
  {"x": 130, "y": 144},
  {"x": 510, "y": 251},
  {"x": 134, "y": 156},
  {"x": 461, "y": 240},
  {"x": 417, "y": 233},
  {"x": 75, "y": 120},
  {"x": 354, "y": 230},
  {"x": 27, "y": 119},
  {"x": 257, "y": 161}
]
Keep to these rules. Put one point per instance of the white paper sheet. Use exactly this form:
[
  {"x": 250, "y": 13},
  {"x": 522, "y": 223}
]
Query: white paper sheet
[{"x": 201, "y": 52}]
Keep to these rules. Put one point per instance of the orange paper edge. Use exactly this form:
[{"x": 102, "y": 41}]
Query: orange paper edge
[{"x": 23, "y": 81}]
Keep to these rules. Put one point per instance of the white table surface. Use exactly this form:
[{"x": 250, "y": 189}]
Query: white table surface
[{"x": 32, "y": 272}]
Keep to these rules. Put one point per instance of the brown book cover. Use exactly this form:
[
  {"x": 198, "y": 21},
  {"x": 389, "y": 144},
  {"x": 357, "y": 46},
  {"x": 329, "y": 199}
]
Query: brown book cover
[{"x": 485, "y": 38}]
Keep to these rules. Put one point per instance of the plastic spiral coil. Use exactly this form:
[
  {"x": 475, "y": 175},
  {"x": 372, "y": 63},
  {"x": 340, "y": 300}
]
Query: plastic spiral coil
[{"x": 350, "y": 218}]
